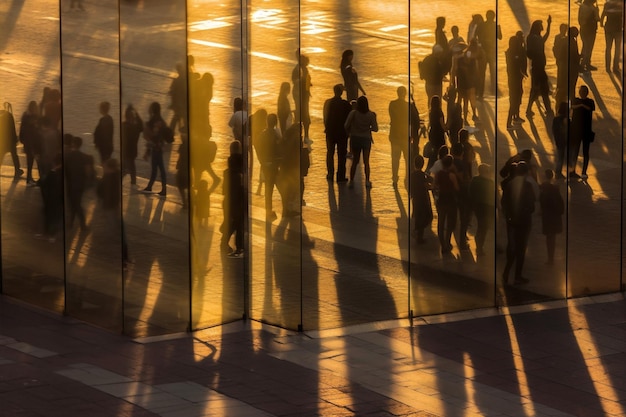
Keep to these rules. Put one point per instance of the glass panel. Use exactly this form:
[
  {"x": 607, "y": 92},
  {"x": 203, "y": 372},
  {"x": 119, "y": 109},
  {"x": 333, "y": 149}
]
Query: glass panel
[
  {"x": 275, "y": 203},
  {"x": 454, "y": 70},
  {"x": 595, "y": 202},
  {"x": 214, "y": 41},
  {"x": 28, "y": 231},
  {"x": 91, "y": 149},
  {"x": 154, "y": 81}
]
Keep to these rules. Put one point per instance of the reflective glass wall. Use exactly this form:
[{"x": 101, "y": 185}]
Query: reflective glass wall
[{"x": 175, "y": 165}]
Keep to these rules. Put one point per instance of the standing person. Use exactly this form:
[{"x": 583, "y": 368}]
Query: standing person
[
  {"x": 301, "y": 78},
  {"x": 29, "y": 136},
  {"x": 561, "y": 56},
  {"x": 488, "y": 35},
  {"x": 103, "y": 135},
  {"x": 182, "y": 168},
  {"x": 447, "y": 188},
  {"x": 8, "y": 137},
  {"x": 482, "y": 193},
  {"x": 238, "y": 119},
  {"x": 588, "y": 18},
  {"x": 535, "y": 50},
  {"x": 582, "y": 116},
  {"x": 267, "y": 153},
  {"x": 454, "y": 115},
  {"x": 613, "y": 22},
  {"x": 399, "y": 134},
  {"x": 132, "y": 126},
  {"x": 233, "y": 203},
  {"x": 436, "y": 131},
  {"x": 51, "y": 186},
  {"x": 466, "y": 79},
  {"x": 350, "y": 77},
  {"x": 574, "y": 63},
  {"x": 464, "y": 205},
  {"x": 421, "y": 184},
  {"x": 283, "y": 107},
  {"x": 441, "y": 39},
  {"x": 336, "y": 112},
  {"x": 516, "y": 67},
  {"x": 560, "y": 129},
  {"x": 79, "y": 170},
  {"x": 360, "y": 124},
  {"x": 432, "y": 70},
  {"x": 518, "y": 205},
  {"x": 178, "y": 94},
  {"x": 154, "y": 132},
  {"x": 552, "y": 209}
]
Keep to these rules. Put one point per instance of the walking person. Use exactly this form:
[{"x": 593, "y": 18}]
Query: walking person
[
  {"x": 447, "y": 189},
  {"x": 155, "y": 132},
  {"x": 436, "y": 131},
  {"x": 283, "y": 108},
  {"x": 360, "y": 124},
  {"x": 516, "y": 69},
  {"x": 612, "y": 19},
  {"x": 552, "y": 210},
  {"x": 582, "y": 132},
  {"x": 8, "y": 137},
  {"x": 350, "y": 76},
  {"x": 132, "y": 126},
  {"x": 560, "y": 133},
  {"x": 30, "y": 138},
  {"x": 336, "y": 112},
  {"x": 482, "y": 194},
  {"x": 535, "y": 50},
  {"x": 233, "y": 203},
  {"x": 103, "y": 135},
  {"x": 588, "y": 18},
  {"x": 79, "y": 171},
  {"x": 421, "y": 184},
  {"x": 399, "y": 134}
]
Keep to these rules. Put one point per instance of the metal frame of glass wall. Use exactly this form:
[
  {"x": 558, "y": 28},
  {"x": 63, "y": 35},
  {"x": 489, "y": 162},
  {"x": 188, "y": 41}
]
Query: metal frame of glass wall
[{"x": 177, "y": 172}]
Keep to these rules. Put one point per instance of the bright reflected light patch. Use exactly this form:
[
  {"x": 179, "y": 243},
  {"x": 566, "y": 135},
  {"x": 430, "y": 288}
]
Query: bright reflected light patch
[
  {"x": 207, "y": 25},
  {"x": 264, "y": 14},
  {"x": 392, "y": 28}
]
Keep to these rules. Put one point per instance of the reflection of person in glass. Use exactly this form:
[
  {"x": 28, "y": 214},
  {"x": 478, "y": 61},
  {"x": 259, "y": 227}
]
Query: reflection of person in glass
[
  {"x": 8, "y": 137},
  {"x": 535, "y": 50},
  {"x": 301, "y": 78},
  {"x": 103, "y": 135},
  {"x": 132, "y": 126},
  {"x": 30, "y": 138},
  {"x": 51, "y": 186},
  {"x": 588, "y": 18},
  {"x": 154, "y": 133},
  {"x": 516, "y": 64},
  {"x": 399, "y": 134},
  {"x": 233, "y": 202},
  {"x": 552, "y": 209},
  {"x": 613, "y": 22},
  {"x": 447, "y": 189},
  {"x": 78, "y": 170},
  {"x": 581, "y": 130},
  {"x": 560, "y": 129},
  {"x": 518, "y": 205},
  {"x": 267, "y": 153},
  {"x": 336, "y": 112},
  {"x": 360, "y": 124},
  {"x": 350, "y": 76},
  {"x": 482, "y": 192},
  {"x": 421, "y": 183}
]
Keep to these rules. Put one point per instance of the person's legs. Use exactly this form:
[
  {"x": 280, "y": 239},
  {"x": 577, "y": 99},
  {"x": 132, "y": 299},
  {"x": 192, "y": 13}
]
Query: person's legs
[
  {"x": 522, "y": 233},
  {"x": 366, "y": 164},
  {"x": 356, "y": 156},
  {"x": 153, "y": 171},
  {"x": 342, "y": 152},
  {"x": 617, "y": 57},
  {"x": 550, "y": 247},
  {"x": 330, "y": 158},
  {"x": 161, "y": 165},
  {"x": 395, "y": 162},
  {"x": 586, "y": 145}
]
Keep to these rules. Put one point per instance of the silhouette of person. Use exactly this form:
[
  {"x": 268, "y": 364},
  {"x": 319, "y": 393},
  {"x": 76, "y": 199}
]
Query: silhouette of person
[
  {"x": 336, "y": 112},
  {"x": 454, "y": 113},
  {"x": 488, "y": 34},
  {"x": 132, "y": 127},
  {"x": 574, "y": 62},
  {"x": 456, "y": 38},
  {"x": 350, "y": 77},
  {"x": 464, "y": 205},
  {"x": 79, "y": 170},
  {"x": 516, "y": 67},
  {"x": 283, "y": 107},
  {"x": 613, "y": 22},
  {"x": 8, "y": 137},
  {"x": 182, "y": 168},
  {"x": 51, "y": 107},
  {"x": 51, "y": 186},
  {"x": 202, "y": 202},
  {"x": 103, "y": 134},
  {"x": 154, "y": 133},
  {"x": 436, "y": 131},
  {"x": 30, "y": 138},
  {"x": 535, "y": 50},
  {"x": 482, "y": 194},
  {"x": 560, "y": 49},
  {"x": 399, "y": 134},
  {"x": 466, "y": 81},
  {"x": 50, "y": 146},
  {"x": 432, "y": 70},
  {"x": 560, "y": 129},
  {"x": 518, "y": 205},
  {"x": 178, "y": 94},
  {"x": 582, "y": 116},
  {"x": 233, "y": 203},
  {"x": 267, "y": 147},
  {"x": 238, "y": 120},
  {"x": 421, "y": 184},
  {"x": 289, "y": 175},
  {"x": 552, "y": 210},
  {"x": 360, "y": 124},
  {"x": 109, "y": 193},
  {"x": 301, "y": 78},
  {"x": 257, "y": 123},
  {"x": 588, "y": 18},
  {"x": 447, "y": 189}
]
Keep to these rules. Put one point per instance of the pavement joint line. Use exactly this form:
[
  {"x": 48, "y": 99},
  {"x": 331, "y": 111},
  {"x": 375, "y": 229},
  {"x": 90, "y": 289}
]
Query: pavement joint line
[{"x": 31, "y": 350}]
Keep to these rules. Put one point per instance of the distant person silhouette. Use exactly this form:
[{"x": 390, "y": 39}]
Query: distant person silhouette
[
  {"x": 560, "y": 49},
  {"x": 581, "y": 130},
  {"x": 132, "y": 127},
  {"x": 588, "y": 18},
  {"x": 178, "y": 94},
  {"x": 350, "y": 76},
  {"x": 233, "y": 203},
  {"x": 103, "y": 134},
  {"x": 238, "y": 119},
  {"x": 79, "y": 173},
  {"x": 8, "y": 137},
  {"x": 301, "y": 78},
  {"x": 51, "y": 186},
  {"x": 436, "y": 131},
  {"x": 552, "y": 210},
  {"x": 466, "y": 73},
  {"x": 482, "y": 194},
  {"x": 535, "y": 50},
  {"x": 30, "y": 138},
  {"x": 433, "y": 70},
  {"x": 560, "y": 134},
  {"x": 283, "y": 108},
  {"x": 447, "y": 189},
  {"x": 421, "y": 184},
  {"x": 360, "y": 124},
  {"x": 399, "y": 134},
  {"x": 488, "y": 35},
  {"x": 267, "y": 152},
  {"x": 612, "y": 19},
  {"x": 154, "y": 132},
  {"x": 335, "y": 113},
  {"x": 516, "y": 68}
]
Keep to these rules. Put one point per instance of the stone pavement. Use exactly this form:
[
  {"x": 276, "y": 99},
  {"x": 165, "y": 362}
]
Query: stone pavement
[{"x": 553, "y": 359}]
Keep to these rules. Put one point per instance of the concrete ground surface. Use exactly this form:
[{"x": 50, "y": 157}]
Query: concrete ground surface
[{"x": 553, "y": 359}]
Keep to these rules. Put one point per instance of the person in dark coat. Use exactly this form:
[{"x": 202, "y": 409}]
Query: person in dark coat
[
  {"x": 154, "y": 132},
  {"x": 30, "y": 138},
  {"x": 78, "y": 171},
  {"x": 399, "y": 134},
  {"x": 421, "y": 184},
  {"x": 103, "y": 135},
  {"x": 581, "y": 130},
  {"x": 535, "y": 50},
  {"x": 482, "y": 194},
  {"x": 552, "y": 210},
  {"x": 516, "y": 67},
  {"x": 132, "y": 126},
  {"x": 233, "y": 203},
  {"x": 336, "y": 112},
  {"x": 560, "y": 129},
  {"x": 436, "y": 130},
  {"x": 51, "y": 186},
  {"x": 8, "y": 137},
  {"x": 447, "y": 188}
]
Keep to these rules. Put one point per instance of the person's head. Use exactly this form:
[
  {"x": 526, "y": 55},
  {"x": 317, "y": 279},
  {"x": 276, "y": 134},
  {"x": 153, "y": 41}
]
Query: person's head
[
  {"x": 441, "y": 22},
  {"x": 463, "y": 135},
  {"x": 238, "y": 104},
  {"x": 563, "y": 29},
  {"x": 484, "y": 170},
  {"x": 346, "y": 57},
  {"x": 105, "y": 106},
  {"x": 536, "y": 28},
  {"x": 155, "y": 109},
  {"x": 563, "y": 109},
  {"x": 272, "y": 120},
  {"x": 304, "y": 60},
  {"x": 401, "y": 91},
  {"x": 362, "y": 105},
  {"x": 129, "y": 113},
  {"x": 235, "y": 147},
  {"x": 33, "y": 108},
  {"x": 491, "y": 15},
  {"x": 583, "y": 91},
  {"x": 203, "y": 185},
  {"x": 418, "y": 162},
  {"x": 338, "y": 90},
  {"x": 447, "y": 161},
  {"x": 457, "y": 149},
  {"x": 443, "y": 151},
  {"x": 455, "y": 31},
  {"x": 435, "y": 102},
  {"x": 573, "y": 32},
  {"x": 285, "y": 88},
  {"x": 549, "y": 174},
  {"x": 526, "y": 155},
  {"x": 77, "y": 142},
  {"x": 180, "y": 68}
]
